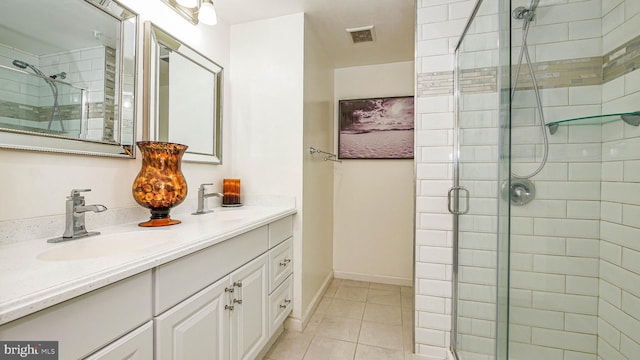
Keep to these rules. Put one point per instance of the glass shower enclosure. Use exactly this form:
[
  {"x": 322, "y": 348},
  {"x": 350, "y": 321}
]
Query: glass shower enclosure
[{"x": 547, "y": 181}]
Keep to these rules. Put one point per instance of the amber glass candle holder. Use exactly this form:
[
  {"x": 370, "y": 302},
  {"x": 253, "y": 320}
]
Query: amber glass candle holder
[
  {"x": 160, "y": 184},
  {"x": 231, "y": 192}
]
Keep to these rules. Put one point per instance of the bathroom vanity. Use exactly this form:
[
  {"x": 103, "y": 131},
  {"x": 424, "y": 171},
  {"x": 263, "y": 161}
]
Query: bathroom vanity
[{"x": 218, "y": 286}]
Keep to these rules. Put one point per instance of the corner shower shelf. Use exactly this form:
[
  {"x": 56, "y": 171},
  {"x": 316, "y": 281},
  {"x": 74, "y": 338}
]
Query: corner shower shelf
[{"x": 631, "y": 118}]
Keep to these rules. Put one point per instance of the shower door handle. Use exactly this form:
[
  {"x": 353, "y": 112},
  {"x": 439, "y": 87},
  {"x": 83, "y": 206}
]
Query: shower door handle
[{"x": 457, "y": 190}]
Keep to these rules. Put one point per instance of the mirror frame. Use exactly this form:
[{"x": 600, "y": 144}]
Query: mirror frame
[
  {"x": 26, "y": 140},
  {"x": 154, "y": 37},
  {"x": 190, "y": 14}
]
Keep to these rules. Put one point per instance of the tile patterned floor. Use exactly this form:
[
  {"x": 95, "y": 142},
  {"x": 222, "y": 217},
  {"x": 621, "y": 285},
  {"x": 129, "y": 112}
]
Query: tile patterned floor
[{"x": 357, "y": 321}]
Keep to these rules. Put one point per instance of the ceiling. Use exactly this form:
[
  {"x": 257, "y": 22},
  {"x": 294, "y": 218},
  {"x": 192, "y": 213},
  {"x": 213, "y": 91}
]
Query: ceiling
[{"x": 393, "y": 20}]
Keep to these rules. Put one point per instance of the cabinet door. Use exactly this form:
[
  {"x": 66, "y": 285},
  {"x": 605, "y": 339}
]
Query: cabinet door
[
  {"x": 249, "y": 324},
  {"x": 197, "y": 328}
]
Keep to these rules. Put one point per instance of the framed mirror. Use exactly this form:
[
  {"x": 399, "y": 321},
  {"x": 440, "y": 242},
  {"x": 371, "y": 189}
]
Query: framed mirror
[
  {"x": 68, "y": 86},
  {"x": 184, "y": 95}
]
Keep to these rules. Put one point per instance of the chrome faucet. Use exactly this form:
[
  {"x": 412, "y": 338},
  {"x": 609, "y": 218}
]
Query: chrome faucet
[
  {"x": 74, "y": 221},
  {"x": 202, "y": 205}
]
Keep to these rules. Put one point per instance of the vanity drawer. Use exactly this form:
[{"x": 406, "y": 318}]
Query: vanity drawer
[
  {"x": 280, "y": 305},
  {"x": 137, "y": 344},
  {"x": 88, "y": 322},
  {"x": 280, "y": 230},
  {"x": 280, "y": 263},
  {"x": 181, "y": 278}
]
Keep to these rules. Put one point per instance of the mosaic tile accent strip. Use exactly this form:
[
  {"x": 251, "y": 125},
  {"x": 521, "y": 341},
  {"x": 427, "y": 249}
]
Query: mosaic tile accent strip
[
  {"x": 435, "y": 83},
  {"x": 108, "y": 132},
  {"x": 14, "y": 110},
  {"x": 562, "y": 73},
  {"x": 622, "y": 60},
  {"x": 479, "y": 80},
  {"x": 38, "y": 113},
  {"x": 19, "y": 111},
  {"x": 549, "y": 74}
]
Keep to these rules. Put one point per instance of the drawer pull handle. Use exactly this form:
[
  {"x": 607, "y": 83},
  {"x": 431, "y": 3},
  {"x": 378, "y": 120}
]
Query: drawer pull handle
[
  {"x": 283, "y": 306},
  {"x": 229, "y": 290},
  {"x": 238, "y": 284},
  {"x": 236, "y": 301},
  {"x": 228, "y": 307},
  {"x": 285, "y": 262},
  {"x": 287, "y": 301}
]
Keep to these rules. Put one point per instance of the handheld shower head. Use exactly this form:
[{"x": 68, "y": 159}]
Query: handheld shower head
[{"x": 21, "y": 64}]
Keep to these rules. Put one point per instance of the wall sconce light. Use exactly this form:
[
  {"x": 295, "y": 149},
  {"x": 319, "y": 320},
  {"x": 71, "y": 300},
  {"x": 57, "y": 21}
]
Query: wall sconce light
[{"x": 207, "y": 13}]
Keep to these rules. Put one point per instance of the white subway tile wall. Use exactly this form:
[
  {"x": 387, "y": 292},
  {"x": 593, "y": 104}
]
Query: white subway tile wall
[
  {"x": 439, "y": 24},
  {"x": 619, "y": 269}
]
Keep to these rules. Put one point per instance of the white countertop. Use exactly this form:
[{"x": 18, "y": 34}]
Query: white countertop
[{"x": 35, "y": 274}]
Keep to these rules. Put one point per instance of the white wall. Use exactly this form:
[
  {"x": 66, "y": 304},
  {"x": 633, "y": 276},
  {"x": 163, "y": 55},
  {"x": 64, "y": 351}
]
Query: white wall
[
  {"x": 35, "y": 183},
  {"x": 373, "y": 218},
  {"x": 317, "y": 201},
  {"x": 280, "y": 97}
]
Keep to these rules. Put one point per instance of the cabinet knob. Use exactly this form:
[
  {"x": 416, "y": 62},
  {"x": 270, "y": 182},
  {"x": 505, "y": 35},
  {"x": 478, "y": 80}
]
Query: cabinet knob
[
  {"x": 237, "y": 301},
  {"x": 238, "y": 284},
  {"x": 229, "y": 290},
  {"x": 287, "y": 301},
  {"x": 228, "y": 307},
  {"x": 283, "y": 306}
]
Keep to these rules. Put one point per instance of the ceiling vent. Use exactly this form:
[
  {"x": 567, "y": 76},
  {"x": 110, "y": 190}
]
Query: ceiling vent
[{"x": 361, "y": 34}]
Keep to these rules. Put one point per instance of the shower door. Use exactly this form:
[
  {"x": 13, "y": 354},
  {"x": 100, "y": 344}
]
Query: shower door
[{"x": 481, "y": 168}]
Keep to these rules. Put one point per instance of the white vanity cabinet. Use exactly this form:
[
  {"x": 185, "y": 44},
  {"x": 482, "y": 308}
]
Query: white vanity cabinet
[
  {"x": 226, "y": 320},
  {"x": 225, "y": 301},
  {"x": 232, "y": 316},
  {"x": 88, "y": 322}
]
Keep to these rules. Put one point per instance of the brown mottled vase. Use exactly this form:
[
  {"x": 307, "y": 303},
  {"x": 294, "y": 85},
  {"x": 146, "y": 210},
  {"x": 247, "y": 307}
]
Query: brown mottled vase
[{"x": 160, "y": 184}]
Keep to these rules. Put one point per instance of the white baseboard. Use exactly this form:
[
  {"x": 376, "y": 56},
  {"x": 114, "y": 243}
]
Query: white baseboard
[
  {"x": 373, "y": 278},
  {"x": 299, "y": 324}
]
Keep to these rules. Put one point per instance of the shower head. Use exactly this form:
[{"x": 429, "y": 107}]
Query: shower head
[
  {"x": 21, "y": 64},
  {"x": 527, "y": 14}
]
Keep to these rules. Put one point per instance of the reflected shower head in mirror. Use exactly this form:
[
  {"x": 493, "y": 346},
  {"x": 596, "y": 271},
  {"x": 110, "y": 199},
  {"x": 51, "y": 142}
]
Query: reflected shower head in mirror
[
  {"x": 54, "y": 90},
  {"x": 23, "y": 65},
  {"x": 20, "y": 64}
]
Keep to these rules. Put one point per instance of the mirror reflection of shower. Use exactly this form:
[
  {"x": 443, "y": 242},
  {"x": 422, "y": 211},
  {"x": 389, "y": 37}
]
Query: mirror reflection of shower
[
  {"x": 52, "y": 84},
  {"x": 527, "y": 15}
]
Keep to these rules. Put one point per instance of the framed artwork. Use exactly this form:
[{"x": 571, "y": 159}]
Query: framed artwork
[{"x": 377, "y": 128}]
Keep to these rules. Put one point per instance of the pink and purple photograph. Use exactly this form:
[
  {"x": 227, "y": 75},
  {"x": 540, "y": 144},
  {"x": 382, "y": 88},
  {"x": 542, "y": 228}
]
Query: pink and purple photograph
[{"x": 378, "y": 128}]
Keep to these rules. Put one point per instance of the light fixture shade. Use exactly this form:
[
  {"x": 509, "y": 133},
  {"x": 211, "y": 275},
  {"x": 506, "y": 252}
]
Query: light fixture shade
[
  {"x": 188, "y": 3},
  {"x": 207, "y": 14}
]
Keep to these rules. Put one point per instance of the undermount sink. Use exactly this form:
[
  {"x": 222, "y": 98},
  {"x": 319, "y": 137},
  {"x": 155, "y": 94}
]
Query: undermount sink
[{"x": 108, "y": 245}]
